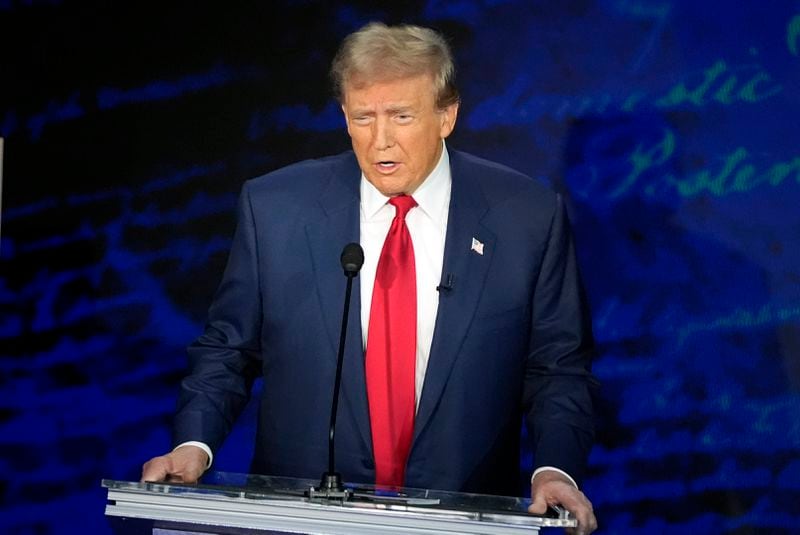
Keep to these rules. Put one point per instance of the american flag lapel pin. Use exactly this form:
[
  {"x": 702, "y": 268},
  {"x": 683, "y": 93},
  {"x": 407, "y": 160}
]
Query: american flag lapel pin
[{"x": 477, "y": 246}]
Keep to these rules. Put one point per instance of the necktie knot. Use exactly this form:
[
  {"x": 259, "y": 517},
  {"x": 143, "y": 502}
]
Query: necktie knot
[{"x": 402, "y": 203}]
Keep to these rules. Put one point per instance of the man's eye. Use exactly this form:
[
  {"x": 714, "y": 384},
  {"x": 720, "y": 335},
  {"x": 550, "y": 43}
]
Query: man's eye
[
  {"x": 361, "y": 119},
  {"x": 403, "y": 118}
]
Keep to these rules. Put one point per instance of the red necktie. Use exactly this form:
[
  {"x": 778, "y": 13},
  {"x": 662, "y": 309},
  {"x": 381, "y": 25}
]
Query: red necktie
[{"x": 392, "y": 350}]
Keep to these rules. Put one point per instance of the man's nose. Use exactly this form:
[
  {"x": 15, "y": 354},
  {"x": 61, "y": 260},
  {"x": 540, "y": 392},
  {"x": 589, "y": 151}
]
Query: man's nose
[{"x": 384, "y": 134}]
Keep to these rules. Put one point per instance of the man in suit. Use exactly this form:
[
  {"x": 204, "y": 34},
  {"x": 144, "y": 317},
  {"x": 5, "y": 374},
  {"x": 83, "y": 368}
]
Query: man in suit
[{"x": 468, "y": 315}]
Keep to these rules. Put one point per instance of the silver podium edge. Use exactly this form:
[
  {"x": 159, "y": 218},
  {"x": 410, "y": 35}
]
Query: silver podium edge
[{"x": 251, "y": 509}]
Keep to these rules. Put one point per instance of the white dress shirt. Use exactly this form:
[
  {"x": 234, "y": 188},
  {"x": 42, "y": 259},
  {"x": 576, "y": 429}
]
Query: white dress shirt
[{"x": 427, "y": 224}]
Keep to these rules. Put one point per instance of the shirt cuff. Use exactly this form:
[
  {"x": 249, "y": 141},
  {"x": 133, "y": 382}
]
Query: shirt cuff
[
  {"x": 203, "y": 446},
  {"x": 554, "y": 469}
]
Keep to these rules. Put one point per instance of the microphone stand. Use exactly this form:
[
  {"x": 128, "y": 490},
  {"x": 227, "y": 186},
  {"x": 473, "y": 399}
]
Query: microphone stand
[{"x": 331, "y": 486}]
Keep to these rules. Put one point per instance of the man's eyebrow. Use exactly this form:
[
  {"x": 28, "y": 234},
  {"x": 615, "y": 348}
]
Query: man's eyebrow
[
  {"x": 362, "y": 111},
  {"x": 400, "y": 108},
  {"x": 391, "y": 109}
]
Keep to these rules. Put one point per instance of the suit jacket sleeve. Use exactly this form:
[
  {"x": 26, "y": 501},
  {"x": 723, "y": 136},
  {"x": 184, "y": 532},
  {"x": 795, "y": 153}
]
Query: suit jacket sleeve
[
  {"x": 224, "y": 361},
  {"x": 558, "y": 382}
]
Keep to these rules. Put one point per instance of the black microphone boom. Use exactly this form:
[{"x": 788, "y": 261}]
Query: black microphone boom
[{"x": 352, "y": 259}]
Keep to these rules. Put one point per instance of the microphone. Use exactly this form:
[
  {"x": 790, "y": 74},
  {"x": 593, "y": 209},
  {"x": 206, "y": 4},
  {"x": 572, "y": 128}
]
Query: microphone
[
  {"x": 352, "y": 259},
  {"x": 331, "y": 485},
  {"x": 447, "y": 284}
]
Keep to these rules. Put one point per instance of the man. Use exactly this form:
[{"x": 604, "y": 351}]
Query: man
[{"x": 471, "y": 314}]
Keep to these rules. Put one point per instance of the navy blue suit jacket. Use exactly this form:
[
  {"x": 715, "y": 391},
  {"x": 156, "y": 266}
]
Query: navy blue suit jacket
[{"x": 512, "y": 338}]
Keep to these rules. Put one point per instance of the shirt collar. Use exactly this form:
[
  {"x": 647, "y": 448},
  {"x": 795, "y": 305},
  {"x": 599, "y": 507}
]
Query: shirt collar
[{"x": 432, "y": 196}]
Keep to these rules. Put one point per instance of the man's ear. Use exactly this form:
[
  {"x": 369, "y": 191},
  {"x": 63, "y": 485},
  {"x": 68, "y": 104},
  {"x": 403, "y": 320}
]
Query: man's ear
[
  {"x": 346, "y": 120},
  {"x": 448, "y": 118}
]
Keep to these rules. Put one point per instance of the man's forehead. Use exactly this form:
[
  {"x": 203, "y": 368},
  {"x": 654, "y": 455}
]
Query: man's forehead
[{"x": 394, "y": 104}]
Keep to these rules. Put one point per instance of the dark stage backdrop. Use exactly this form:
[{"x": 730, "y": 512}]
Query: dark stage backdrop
[{"x": 671, "y": 127}]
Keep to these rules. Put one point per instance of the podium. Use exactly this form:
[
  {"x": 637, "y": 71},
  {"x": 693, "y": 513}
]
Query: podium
[{"x": 241, "y": 504}]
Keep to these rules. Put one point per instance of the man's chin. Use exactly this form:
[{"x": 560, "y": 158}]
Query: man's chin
[{"x": 392, "y": 185}]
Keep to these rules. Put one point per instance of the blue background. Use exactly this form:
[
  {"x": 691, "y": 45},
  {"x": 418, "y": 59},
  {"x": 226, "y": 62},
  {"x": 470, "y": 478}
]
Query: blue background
[{"x": 670, "y": 127}]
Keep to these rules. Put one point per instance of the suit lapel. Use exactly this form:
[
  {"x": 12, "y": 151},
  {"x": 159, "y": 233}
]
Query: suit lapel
[
  {"x": 468, "y": 268},
  {"x": 338, "y": 225}
]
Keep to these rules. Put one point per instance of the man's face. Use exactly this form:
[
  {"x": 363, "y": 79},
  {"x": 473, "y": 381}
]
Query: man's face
[{"x": 397, "y": 131}]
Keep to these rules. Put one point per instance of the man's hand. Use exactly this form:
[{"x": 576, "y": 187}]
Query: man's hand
[
  {"x": 551, "y": 488},
  {"x": 183, "y": 465}
]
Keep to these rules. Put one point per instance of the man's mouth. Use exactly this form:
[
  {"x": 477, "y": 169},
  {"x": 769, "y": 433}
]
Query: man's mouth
[{"x": 387, "y": 165}]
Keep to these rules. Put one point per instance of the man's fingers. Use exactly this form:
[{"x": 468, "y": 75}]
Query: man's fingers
[
  {"x": 538, "y": 506},
  {"x": 586, "y": 522},
  {"x": 549, "y": 488},
  {"x": 576, "y": 503},
  {"x": 183, "y": 465},
  {"x": 583, "y": 513},
  {"x": 156, "y": 469}
]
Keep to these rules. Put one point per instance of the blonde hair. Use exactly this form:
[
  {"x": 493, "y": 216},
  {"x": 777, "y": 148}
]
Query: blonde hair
[{"x": 378, "y": 52}]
